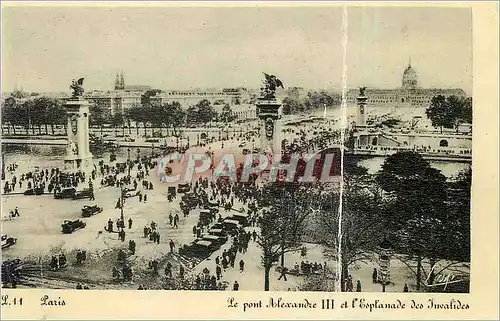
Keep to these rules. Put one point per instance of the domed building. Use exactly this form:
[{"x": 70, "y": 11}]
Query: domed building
[
  {"x": 410, "y": 94},
  {"x": 410, "y": 79}
]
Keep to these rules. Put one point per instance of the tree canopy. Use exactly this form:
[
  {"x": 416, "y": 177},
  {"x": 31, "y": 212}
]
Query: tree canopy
[{"x": 449, "y": 112}]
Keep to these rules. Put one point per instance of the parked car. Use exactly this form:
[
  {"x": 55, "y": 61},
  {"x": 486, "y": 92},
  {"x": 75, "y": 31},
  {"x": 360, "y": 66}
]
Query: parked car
[
  {"x": 183, "y": 188},
  {"x": 88, "y": 211},
  {"x": 85, "y": 193},
  {"x": 230, "y": 225},
  {"x": 130, "y": 194},
  {"x": 221, "y": 238},
  {"x": 205, "y": 217},
  {"x": 34, "y": 191},
  {"x": 69, "y": 227},
  {"x": 198, "y": 249},
  {"x": 217, "y": 232},
  {"x": 217, "y": 241},
  {"x": 8, "y": 241},
  {"x": 242, "y": 219},
  {"x": 65, "y": 193}
]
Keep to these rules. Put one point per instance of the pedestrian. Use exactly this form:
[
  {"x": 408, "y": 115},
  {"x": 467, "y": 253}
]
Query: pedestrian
[
  {"x": 194, "y": 230},
  {"x": 218, "y": 272},
  {"x": 140, "y": 197},
  {"x": 168, "y": 270},
  {"x": 129, "y": 223},
  {"x": 242, "y": 265},
  {"x": 176, "y": 220},
  {"x": 236, "y": 286},
  {"x": 374, "y": 275},
  {"x": 158, "y": 237},
  {"x": 131, "y": 246},
  {"x": 172, "y": 245},
  {"x": 217, "y": 260},
  {"x": 349, "y": 285},
  {"x": 170, "y": 218},
  {"x": 181, "y": 272},
  {"x": 405, "y": 289},
  {"x": 16, "y": 212},
  {"x": 283, "y": 273},
  {"x": 145, "y": 198},
  {"x": 358, "y": 286}
]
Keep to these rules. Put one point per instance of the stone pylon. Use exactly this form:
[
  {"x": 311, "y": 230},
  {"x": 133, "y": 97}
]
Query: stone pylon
[
  {"x": 270, "y": 131},
  {"x": 78, "y": 156}
]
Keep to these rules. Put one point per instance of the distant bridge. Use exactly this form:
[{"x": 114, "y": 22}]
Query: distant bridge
[{"x": 43, "y": 142}]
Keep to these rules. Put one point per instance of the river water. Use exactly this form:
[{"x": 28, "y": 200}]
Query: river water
[{"x": 28, "y": 158}]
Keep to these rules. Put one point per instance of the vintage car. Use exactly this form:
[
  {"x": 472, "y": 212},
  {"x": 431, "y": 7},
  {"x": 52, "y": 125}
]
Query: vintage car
[
  {"x": 217, "y": 232},
  {"x": 242, "y": 219},
  {"x": 85, "y": 193},
  {"x": 199, "y": 249},
  {"x": 131, "y": 193},
  {"x": 8, "y": 241},
  {"x": 205, "y": 217},
  {"x": 217, "y": 226},
  {"x": 11, "y": 270},
  {"x": 215, "y": 239},
  {"x": 183, "y": 188},
  {"x": 171, "y": 191},
  {"x": 65, "y": 193},
  {"x": 88, "y": 211},
  {"x": 69, "y": 227},
  {"x": 213, "y": 210},
  {"x": 34, "y": 191},
  {"x": 230, "y": 225}
]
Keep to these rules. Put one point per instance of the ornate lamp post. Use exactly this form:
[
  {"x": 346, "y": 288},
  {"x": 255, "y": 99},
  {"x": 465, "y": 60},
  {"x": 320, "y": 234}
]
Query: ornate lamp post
[{"x": 385, "y": 252}]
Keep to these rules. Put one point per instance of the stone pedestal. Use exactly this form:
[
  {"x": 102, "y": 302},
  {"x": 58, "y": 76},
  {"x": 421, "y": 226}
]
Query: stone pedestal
[
  {"x": 270, "y": 131},
  {"x": 361, "y": 115},
  {"x": 78, "y": 156}
]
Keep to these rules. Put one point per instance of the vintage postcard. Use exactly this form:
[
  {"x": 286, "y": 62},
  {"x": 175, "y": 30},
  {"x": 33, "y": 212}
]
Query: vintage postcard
[{"x": 249, "y": 160}]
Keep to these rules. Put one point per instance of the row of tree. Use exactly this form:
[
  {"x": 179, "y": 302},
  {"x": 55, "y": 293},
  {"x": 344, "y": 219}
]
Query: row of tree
[
  {"x": 41, "y": 111},
  {"x": 45, "y": 111},
  {"x": 407, "y": 203}
]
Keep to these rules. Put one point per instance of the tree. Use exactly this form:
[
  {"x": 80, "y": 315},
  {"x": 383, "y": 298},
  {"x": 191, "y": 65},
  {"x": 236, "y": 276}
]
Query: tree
[
  {"x": 146, "y": 97},
  {"x": 205, "y": 111},
  {"x": 174, "y": 114},
  {"x": 282, "y": 226},
  {"x": 292, "y": 106},
  {"x": 55, "y": 114},
  {"x": 449, "y": 112},
  {"x": 99, "y": 113},
  {"x": 417, "y": 210},
  {"x": 320, "y": 99},
  {"x": 361, "y": 224},
  {"x": 202, "y": 112},
  {"x": 9, "y": 110},
  {"x": 226, "y": 114}
]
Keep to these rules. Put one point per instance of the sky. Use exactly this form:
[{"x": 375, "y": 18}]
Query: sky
[{"x": 44, "y": 48}]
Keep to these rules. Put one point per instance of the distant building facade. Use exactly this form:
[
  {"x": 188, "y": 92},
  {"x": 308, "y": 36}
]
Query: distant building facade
[{"x": 410, "y": 94}]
